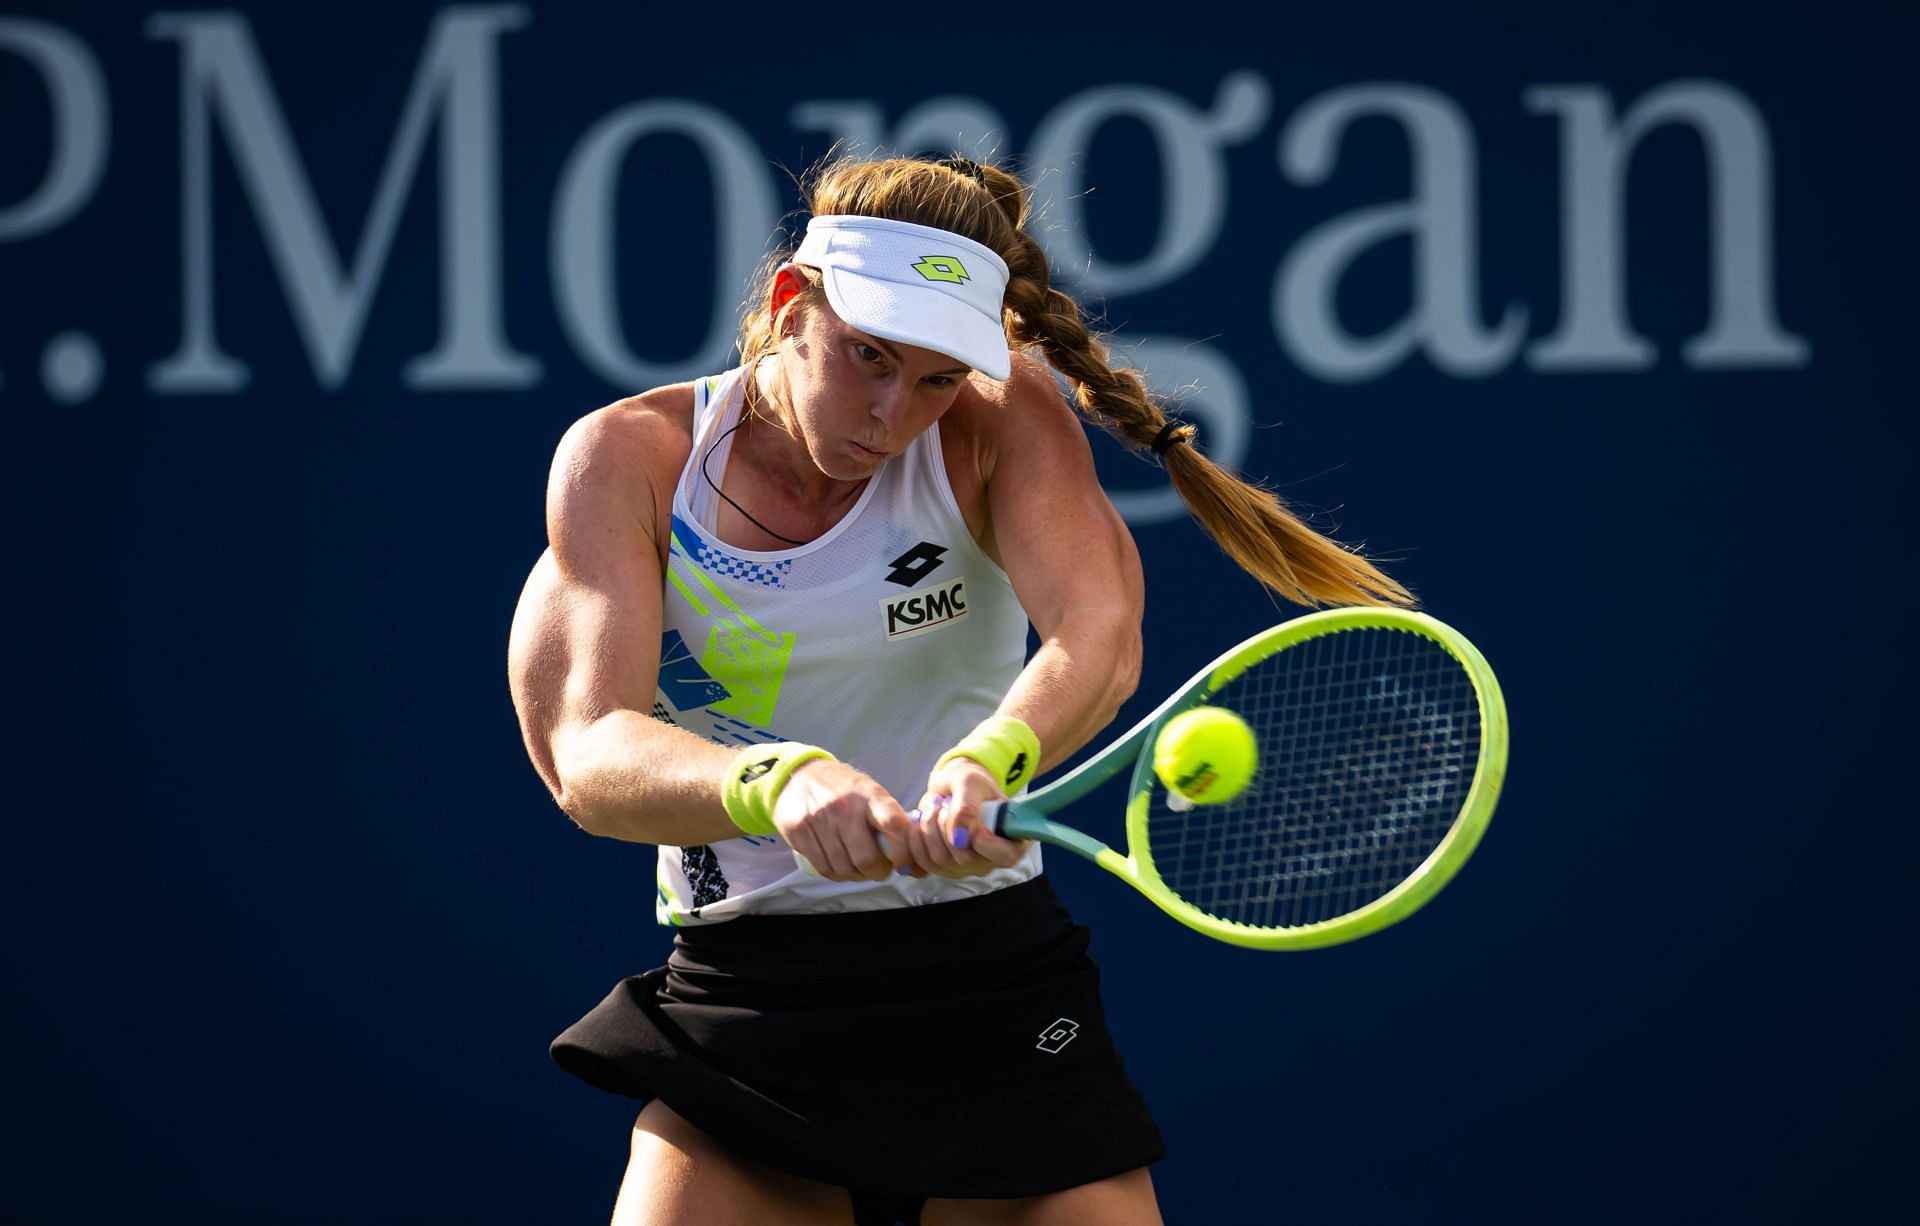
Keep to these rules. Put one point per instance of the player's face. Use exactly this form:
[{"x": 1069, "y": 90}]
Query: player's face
[{"x": 857, "y": 398}]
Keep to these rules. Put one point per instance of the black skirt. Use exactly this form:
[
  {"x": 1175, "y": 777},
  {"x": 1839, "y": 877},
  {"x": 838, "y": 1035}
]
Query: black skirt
[{"x": 956, "y": 1050}]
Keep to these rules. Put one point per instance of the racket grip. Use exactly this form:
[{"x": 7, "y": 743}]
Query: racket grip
[{"x": 993, "y": 815}]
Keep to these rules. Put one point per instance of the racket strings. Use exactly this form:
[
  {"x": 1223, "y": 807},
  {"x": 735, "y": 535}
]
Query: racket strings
[{"x": 1368, "y": 743}]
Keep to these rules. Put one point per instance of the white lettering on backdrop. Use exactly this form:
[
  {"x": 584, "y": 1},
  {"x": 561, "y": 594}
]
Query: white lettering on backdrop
[
  {"x": 226, "y": 92},
  {"x": 458, "y": 82}
]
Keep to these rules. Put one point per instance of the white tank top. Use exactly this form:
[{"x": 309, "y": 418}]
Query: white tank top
[{"x": 884, "y": 642}]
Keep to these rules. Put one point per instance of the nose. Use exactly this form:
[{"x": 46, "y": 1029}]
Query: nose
[{"x": 890, "y": 403}]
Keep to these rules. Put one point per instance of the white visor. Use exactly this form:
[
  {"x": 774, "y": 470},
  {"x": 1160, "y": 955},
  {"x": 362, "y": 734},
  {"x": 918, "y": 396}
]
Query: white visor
[{"x": 913, "y": 284}]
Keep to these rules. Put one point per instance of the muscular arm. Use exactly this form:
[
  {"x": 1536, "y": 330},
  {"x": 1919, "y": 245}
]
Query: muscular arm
[
  {"x": 584, "y": 657},
  {"x": 1073, "y": 565},
  {"x": 584, "y": 652}
]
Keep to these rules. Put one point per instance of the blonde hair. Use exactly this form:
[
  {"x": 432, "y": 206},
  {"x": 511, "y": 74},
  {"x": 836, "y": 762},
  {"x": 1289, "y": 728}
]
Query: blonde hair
[{"x": 989, "y": 205}]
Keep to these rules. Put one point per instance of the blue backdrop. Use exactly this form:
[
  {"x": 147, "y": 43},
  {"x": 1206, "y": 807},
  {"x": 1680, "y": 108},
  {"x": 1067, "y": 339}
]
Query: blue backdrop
[{"x": 1595, "y": 318}]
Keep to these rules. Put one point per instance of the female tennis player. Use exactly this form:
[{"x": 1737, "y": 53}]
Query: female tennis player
[{"x": 784, "y": 614}]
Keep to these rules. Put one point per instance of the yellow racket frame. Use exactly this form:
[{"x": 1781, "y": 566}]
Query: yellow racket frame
[{"x": 1027, "y": 817}]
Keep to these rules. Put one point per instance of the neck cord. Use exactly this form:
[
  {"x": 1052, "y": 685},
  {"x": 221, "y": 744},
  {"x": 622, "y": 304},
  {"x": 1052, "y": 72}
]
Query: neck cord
[{"x": 712, "y": 484}]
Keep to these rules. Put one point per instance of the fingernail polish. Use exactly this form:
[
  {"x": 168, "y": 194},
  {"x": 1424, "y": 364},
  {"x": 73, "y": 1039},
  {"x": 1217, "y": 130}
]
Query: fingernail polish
[
  {"x": 961, "y": 838},
  {"x": 905, "y": 870}
]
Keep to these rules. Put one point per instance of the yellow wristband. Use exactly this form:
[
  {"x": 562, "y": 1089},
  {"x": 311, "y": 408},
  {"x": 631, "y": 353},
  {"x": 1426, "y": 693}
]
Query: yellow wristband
[
  {"x": 1004, "y": 745},
  {"x": 755, "y": 777}
]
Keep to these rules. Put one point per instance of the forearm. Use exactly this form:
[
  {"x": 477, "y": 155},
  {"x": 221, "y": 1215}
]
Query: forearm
[
  {"x": 629, "y": 776},
  {"x": 1074, "y": 685}
]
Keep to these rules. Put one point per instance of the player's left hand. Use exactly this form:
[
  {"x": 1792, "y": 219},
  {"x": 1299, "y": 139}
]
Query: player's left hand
[{"x": 951, "y": 839}]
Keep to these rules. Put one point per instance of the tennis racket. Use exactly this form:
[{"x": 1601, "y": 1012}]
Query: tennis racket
[{"x": 1383, "y": 742}]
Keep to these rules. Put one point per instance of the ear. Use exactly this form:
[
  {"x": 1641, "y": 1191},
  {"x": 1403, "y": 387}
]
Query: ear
[{"x": 788, "y": 284}]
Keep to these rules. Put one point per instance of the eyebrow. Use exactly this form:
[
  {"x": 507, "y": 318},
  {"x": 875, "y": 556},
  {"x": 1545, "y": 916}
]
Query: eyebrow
[{"x": 893, "y": 353}]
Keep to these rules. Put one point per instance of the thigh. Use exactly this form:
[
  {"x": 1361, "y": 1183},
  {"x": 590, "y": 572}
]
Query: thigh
[
  {"x": 1123, "y": 1200},
  {"x": 677, "y": 1175}
]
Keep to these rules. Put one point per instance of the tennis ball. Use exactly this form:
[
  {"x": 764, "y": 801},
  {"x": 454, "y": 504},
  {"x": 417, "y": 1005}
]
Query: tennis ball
[{"x": 1205, "y": 755}]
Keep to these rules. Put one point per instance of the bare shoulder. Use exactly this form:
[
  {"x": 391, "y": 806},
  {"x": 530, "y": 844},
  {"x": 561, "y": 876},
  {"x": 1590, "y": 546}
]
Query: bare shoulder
[
  {"x": 635, "y": 437},
  {"x": 615, "y": 468},
  {"x": 1027, "y": 405},
  {"x": 1027, "y": 417}
]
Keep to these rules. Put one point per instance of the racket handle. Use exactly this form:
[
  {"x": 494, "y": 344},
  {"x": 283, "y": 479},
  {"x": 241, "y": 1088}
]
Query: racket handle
[{"x": 994, "y": 815}]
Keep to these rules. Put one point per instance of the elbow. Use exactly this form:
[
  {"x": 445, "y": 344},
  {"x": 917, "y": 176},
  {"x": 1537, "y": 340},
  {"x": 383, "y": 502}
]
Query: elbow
[
  {"x": 603, "y": 817},
  {"x": 1124, "y": 676},
  {"x": 569, "y": 782},
  {"x": 568, "y": 797},
  {"x": 1104, "y": 649},
  {"x": 575, "y": 807},
  {"x": 559, "y": 758},
  {"x": 1127, "y": 677},
  {"x": 602, "y": 792}
]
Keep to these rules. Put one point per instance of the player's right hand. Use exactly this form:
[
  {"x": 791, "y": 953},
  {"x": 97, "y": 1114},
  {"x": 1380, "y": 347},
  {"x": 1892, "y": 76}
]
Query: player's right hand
[
  {"x": 951, "y": 839},
  {"x": 830, "y": 813}
]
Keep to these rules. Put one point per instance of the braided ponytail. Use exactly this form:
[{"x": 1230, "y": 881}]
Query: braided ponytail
[
  {"x": 1249, "y": 523},
  {"x": 987, "y": 204}
]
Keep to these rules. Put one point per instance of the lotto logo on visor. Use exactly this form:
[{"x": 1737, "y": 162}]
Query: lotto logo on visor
[
  {"x": 942, "y": 268},
  {"x": 914, "y": 284}
]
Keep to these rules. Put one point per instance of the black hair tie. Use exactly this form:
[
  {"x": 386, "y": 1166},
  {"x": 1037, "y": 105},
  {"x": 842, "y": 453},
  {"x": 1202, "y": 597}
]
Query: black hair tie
[
  {"x": 965, "y": 166},
  {"x": 1166, "y": 438}
]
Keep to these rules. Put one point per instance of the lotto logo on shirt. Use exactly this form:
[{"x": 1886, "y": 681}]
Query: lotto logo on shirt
[{"x": 927, "y": 609}]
